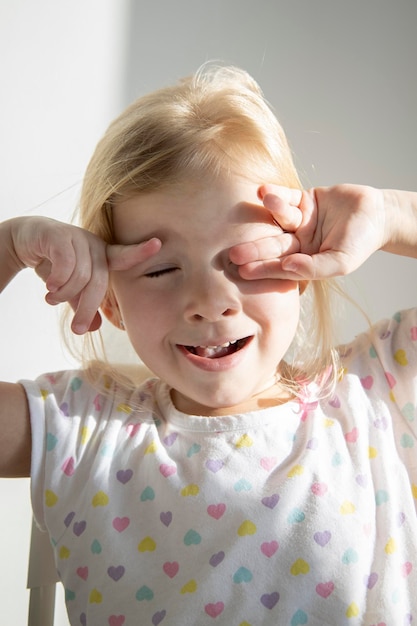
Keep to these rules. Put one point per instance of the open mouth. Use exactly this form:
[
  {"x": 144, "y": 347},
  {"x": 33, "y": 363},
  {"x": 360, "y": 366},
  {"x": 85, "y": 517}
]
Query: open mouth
[{"x": 217, "y": 352}]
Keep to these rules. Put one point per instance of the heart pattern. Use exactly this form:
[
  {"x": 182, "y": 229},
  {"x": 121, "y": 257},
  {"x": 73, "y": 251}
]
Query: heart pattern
[{"x": 273, "y": 513}]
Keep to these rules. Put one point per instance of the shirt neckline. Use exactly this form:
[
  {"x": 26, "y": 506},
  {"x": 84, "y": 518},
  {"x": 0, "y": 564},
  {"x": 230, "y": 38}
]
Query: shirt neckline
[{"x": 224, "y": 423}]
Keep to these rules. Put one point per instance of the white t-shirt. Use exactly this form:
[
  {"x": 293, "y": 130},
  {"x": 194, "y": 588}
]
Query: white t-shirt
[{"x": 303, "y": 513}]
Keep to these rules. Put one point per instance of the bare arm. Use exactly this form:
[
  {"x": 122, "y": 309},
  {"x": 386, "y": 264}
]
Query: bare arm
[
  {"x": 75, "y": 266},
  {"x": 401, "y": 224},
  {"x": 9, "y": 263},
  {"x": 15, "y": 433}
]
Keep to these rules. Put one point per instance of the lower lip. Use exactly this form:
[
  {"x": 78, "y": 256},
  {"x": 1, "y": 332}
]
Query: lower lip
[{"x": 220, "y": 364}]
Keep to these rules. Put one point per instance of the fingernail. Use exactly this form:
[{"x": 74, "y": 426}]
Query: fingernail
[
  {"x": 50, "y": 299},
  {"x": 290, "y": 266},
  {"x": 79, "y": 329}
]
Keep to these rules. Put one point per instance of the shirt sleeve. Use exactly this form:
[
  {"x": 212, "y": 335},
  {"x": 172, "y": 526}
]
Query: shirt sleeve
[
  {"x": 38, "y": 426},
  {"x": 394, "y": 348},
  {"x": 60, "y": 405}
]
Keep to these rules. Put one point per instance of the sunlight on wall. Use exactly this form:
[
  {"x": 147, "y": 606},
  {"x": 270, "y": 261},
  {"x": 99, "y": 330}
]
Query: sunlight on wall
[{"x": 60, "y": 70}]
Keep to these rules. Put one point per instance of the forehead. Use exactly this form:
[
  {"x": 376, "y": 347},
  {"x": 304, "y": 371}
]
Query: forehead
[{"x": 226, "y": 210}]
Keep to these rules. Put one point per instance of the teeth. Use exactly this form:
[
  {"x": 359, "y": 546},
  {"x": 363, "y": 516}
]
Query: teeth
[
  {"x": 223, "y": 345},
  {"x": 214, "y": 351}
]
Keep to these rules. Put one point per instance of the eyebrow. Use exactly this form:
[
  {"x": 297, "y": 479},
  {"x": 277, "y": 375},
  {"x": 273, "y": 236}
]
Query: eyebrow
[{"x": 159, "y": 233}]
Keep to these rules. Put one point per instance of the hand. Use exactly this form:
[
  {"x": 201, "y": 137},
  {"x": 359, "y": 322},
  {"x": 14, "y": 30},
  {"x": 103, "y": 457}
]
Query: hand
[
  {"x": 74, "y": 263},
  {"x": 329, "y": 231}
]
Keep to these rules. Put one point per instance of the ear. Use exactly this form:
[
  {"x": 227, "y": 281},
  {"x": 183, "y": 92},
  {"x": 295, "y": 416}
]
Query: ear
[
  {"x": 302, "y": 286},
  {"x": 110, "y": 308}
]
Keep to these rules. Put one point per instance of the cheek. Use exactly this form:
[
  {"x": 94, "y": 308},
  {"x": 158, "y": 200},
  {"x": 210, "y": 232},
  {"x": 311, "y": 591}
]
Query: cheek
[
  {"x": 270, "y": 287},
  {"x": 148, "y": 318},
  {"x": 276, "y": 304},
  {"x": 278, "y": 315},
  {"x": 134, "y": 302}
]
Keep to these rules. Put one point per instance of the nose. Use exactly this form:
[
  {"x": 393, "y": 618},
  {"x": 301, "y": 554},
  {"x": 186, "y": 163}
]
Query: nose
[{"x": 211, "y": 297}]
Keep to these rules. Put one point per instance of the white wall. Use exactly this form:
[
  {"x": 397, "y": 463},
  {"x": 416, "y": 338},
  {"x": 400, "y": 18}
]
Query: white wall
[
  {"x": 60, "y": 74},
  {"x": 341, "y": 76}
]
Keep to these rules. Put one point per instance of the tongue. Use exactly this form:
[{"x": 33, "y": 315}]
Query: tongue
[{"x": 213, "y": 353}]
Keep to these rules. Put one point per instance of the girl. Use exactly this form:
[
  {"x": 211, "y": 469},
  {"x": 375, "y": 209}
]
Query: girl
[{"x": 259, "y": 476}]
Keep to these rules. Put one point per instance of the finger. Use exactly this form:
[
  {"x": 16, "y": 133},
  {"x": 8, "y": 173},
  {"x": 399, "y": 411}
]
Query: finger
[
  {"x": 87, "y": 258},
  {"x": 61, "y": 261},
  {"x": 265, "y": 269},
  {"x": 299, "y": 267},
  {"x": 262, "y": 249},
  {"x": 288, "y": 194},
  {"x": 88, "y": 301},
  {"x": 43, "y": 270},
  {"x": 82, "y": 327},
  {"x": 118, "y": 258},
  {"x": 121, "y": 257},
  {"x": 92, "y": 294},
  {"x": 288, "y": 217},
  {"x": 318, "y": 266},
  {"x": 86, "y": 287},
  {"x": 86, "y": 319}
]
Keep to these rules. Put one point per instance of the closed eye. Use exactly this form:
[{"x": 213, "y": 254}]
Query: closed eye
[{"x": 161, "y": 272}]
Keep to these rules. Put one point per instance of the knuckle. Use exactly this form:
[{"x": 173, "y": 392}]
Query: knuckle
[
  {"x": 83, "y": 272},
  {"x": 101, "y": 282}
]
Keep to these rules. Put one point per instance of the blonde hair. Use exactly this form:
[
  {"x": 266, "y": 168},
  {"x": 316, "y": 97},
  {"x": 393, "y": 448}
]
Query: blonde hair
[{"x": 213, "y": 123}]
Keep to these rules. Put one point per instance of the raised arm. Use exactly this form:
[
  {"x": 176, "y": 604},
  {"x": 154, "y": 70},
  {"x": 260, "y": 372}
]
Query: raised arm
[
  {"x": 15, "y": 433},
  {"x": 330, "y": 231},
  {"x": 75, "y": 266},
  {"x": 401, "y": 224}
]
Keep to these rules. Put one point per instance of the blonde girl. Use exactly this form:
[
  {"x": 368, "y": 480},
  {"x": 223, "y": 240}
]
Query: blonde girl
[{"x": 260, "y": 475}]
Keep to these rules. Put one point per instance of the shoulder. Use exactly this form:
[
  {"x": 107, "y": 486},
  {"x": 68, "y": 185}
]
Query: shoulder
[
  {"x": 64, "y": 389},
  {"x": 390, "y": 344},
  {"x": 81, "y": 393},
  {"x": 379, "y": 367}
]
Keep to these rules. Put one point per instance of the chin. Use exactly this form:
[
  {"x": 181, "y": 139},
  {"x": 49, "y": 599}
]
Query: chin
[{"x": 216, "y": 403}]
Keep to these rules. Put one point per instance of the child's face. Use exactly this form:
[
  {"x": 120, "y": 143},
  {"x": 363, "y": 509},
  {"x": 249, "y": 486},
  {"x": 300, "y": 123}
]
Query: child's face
[{"x": 183, "y": 306}]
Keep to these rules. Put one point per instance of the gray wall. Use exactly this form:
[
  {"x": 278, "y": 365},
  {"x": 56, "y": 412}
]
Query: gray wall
[{"x": 341, "y": 77}]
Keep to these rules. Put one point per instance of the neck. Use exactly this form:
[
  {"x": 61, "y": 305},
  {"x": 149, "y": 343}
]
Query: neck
[{"x": 273, "y": 396}]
